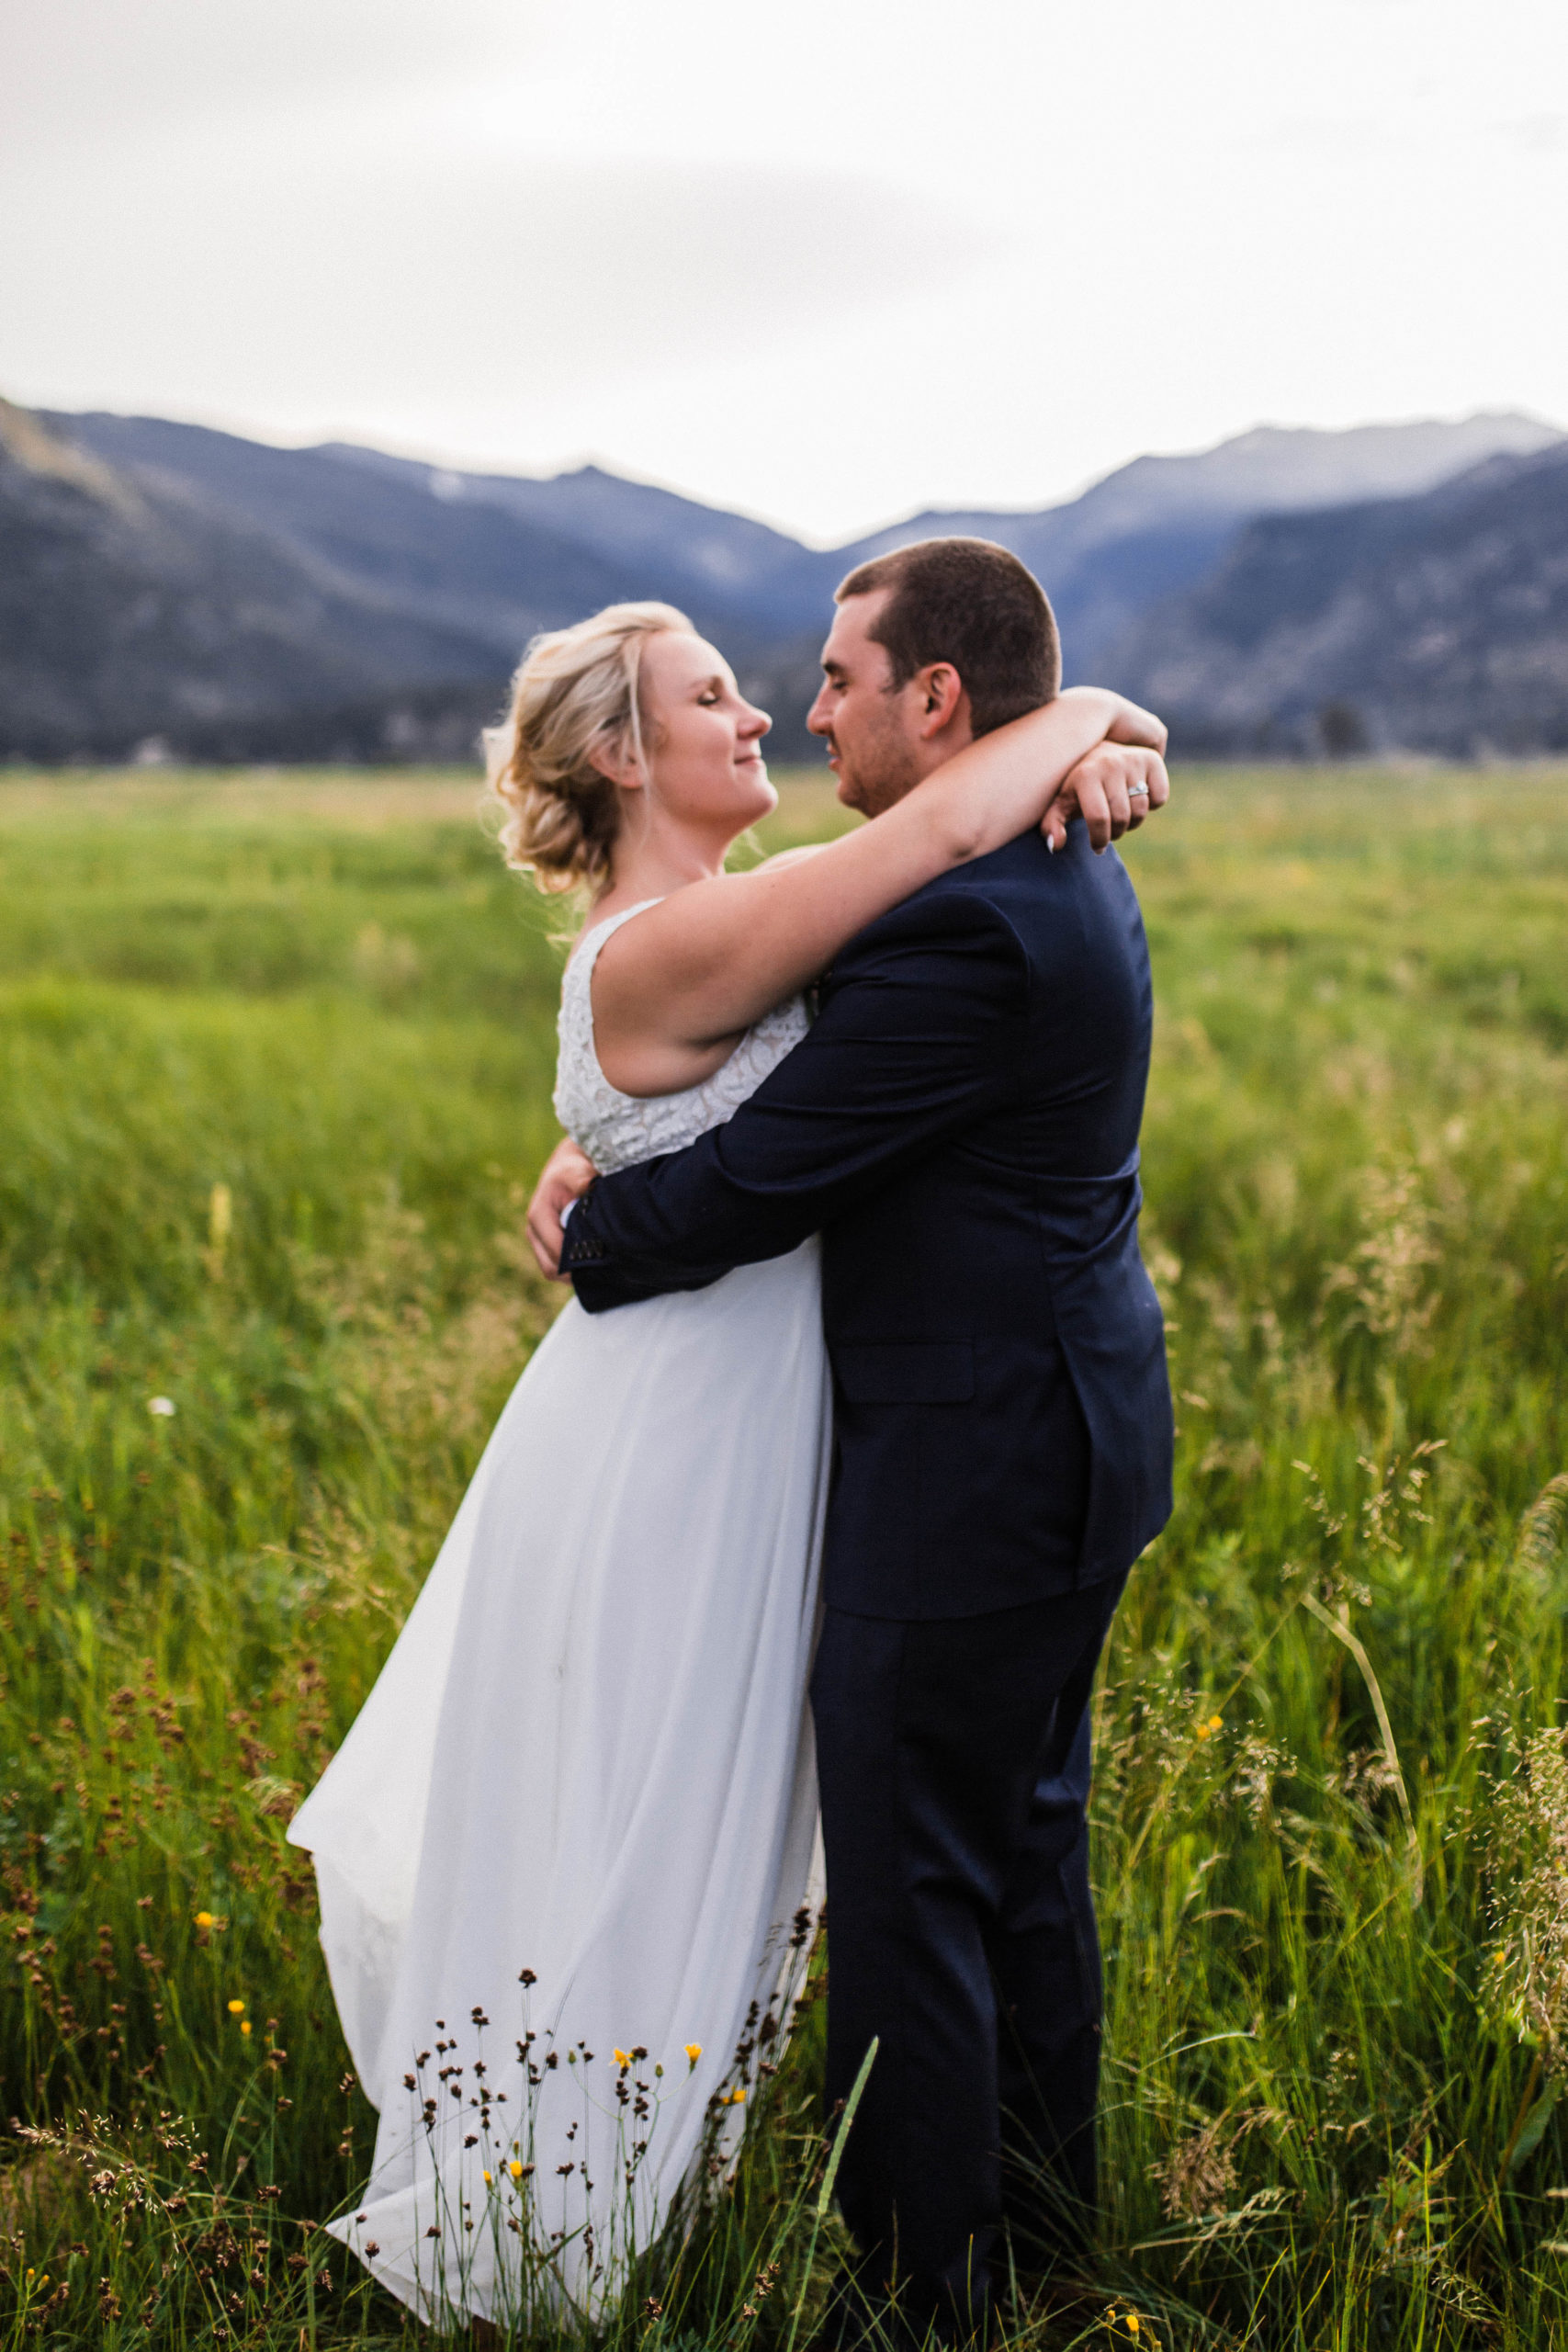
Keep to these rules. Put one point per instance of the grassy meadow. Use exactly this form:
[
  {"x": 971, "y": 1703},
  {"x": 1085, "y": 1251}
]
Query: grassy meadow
[{"x": 275, "y": 1069}]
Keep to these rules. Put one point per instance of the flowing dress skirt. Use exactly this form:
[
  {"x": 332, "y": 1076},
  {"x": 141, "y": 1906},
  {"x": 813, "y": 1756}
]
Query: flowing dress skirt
[{"x": 589, "y": 1757}]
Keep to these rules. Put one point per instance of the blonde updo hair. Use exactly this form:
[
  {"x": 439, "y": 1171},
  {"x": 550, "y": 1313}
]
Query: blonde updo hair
[{"x": 576, "y": 693}]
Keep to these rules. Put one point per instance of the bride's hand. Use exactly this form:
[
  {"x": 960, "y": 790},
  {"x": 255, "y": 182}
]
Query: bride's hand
[
  {"x": 1112, "y": 788},
  {"x": 1132, "y": 724},
  {"x": 566, "y": 1176}
]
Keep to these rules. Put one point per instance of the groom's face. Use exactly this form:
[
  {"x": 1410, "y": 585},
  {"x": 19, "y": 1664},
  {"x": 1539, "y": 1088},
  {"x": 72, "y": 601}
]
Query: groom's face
[{"x": 872, "y": 732}]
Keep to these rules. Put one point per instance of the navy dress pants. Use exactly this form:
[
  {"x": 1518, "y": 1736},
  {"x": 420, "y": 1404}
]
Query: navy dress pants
[{"x": 954, "y": 1762}]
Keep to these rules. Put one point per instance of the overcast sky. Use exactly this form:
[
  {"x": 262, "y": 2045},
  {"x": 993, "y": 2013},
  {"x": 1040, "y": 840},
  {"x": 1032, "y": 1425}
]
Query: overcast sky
[{"x": 827, "y": 261}]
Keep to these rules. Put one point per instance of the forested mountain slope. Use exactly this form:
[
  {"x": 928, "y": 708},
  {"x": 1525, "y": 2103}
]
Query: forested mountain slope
[
  {"x": 1437, "y": 624},
  {"x": 131, "y": 609}
]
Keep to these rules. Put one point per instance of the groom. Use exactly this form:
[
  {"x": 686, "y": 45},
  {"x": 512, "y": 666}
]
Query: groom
[{"x": 961, "y": 1126}]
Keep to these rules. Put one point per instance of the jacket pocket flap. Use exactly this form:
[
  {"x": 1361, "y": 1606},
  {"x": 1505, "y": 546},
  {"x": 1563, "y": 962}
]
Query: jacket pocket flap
[{"x": 905, "y": 1372}]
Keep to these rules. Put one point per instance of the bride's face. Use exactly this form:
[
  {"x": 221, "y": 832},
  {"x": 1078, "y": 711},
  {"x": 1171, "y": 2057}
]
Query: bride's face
[{"x": 703, "y": 739}]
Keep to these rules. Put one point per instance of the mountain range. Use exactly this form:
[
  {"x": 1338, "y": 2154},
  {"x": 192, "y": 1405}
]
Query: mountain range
[
  {"x": 168, "y": 589},
  {"x": 1438, "y": 623}
]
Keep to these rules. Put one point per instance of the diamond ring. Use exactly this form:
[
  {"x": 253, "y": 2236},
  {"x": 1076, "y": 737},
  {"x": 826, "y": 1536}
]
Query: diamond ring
[{"x": 1137, "y": 791}]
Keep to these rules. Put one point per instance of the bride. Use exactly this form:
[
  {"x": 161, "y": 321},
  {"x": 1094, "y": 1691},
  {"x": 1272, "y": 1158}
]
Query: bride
[{"x": 564, "y": 1854}]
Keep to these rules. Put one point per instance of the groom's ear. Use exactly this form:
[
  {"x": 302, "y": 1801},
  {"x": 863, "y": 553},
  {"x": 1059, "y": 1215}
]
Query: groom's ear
[{"x": 938, "y": 691}]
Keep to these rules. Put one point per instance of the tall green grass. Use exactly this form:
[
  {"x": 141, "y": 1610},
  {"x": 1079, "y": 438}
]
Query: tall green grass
[{"x": 274, "y": 1066}]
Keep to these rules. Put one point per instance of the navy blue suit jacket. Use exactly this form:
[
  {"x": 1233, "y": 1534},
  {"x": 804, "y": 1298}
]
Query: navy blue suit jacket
[{"x": 962, "y": 1126}]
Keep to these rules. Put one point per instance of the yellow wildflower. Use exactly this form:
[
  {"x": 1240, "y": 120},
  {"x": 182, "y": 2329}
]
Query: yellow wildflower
[
  {"x": 489, "y": 2180},
  {"x": 245, "y": 2025},
  {"x": 738, "y": 2096},
  {"x": 693, "y": 2050},
  {"x": 623, "y": 2060},
  {"x": 236, "y": 2008},
  {"x": 1205, "y": 1731},
  {"x": 1132, "y": 2323},
  {"x": 1214, "y": 1722},
  {"x": 515, "y": 2169},
  {"x": 205, "y": 1920}
]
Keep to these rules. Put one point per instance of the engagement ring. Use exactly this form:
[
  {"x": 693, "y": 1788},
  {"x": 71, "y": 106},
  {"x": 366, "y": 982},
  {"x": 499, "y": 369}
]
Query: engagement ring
[{"x": 1134, "y": 790}]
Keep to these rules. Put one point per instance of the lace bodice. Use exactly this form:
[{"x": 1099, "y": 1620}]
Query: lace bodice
[{"x": 617, "y": 1129}]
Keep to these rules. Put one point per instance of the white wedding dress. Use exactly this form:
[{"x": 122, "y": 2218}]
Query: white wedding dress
[{"x": 589, "y": 1757}]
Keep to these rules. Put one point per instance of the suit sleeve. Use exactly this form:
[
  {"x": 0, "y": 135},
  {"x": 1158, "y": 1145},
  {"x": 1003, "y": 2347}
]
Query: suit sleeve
[{"x": 916, "y": 1037}]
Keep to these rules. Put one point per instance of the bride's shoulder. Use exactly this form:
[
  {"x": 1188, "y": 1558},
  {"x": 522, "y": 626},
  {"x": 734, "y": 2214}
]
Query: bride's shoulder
[
  {"x": 603, "y": 920},
  {"x": 796, "y": 857}
]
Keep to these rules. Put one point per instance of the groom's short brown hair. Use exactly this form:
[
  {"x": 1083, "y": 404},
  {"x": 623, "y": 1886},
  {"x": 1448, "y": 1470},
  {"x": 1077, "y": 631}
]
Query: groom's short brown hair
[{"x": 971, "y": 603}]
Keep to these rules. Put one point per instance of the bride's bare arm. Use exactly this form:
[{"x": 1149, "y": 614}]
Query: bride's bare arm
[{"x": 673, "y": 989}]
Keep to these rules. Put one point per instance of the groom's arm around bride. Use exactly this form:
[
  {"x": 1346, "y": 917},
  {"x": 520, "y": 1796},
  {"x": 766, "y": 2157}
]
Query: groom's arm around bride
[{"x": 961, "y": 1126}]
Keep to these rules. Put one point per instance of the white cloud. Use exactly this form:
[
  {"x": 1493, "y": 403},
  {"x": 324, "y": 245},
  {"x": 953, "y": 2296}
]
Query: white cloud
[
  {"x": 77, "y": 72},
  {"x": 1537, "y": 134}
]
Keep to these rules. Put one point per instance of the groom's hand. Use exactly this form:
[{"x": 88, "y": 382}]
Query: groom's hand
[
  {"x": 1112, "y": 788},
  {"x": 565, "y": 1177}
]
